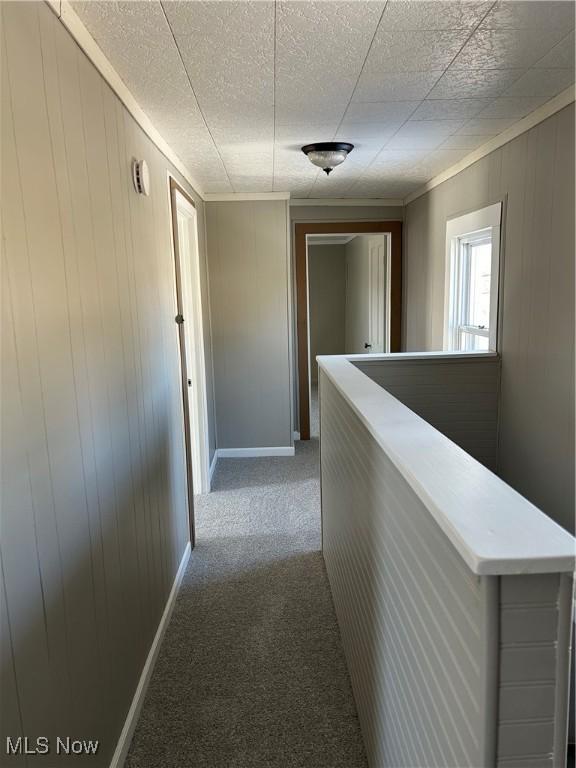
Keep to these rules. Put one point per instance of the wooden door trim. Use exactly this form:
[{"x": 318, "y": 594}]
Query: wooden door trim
[
  {"x": 301, "y": 229},
  {"x": 174, "y": 188}
]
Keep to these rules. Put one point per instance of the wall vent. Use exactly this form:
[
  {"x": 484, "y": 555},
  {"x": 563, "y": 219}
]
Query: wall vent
[{"x": 141, "y": 177}]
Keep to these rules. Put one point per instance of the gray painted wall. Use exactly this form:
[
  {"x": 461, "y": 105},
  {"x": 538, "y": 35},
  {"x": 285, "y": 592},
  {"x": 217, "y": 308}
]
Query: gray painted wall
[
  {"x": 534, "y": 176},
  {"x": 249, "y": 292},
  {"x": 94, "y": 517},
  {"x": 457, "y": 397},
  {"x": 327, "y": 297}
]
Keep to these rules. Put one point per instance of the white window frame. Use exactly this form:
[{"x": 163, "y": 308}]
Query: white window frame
[{"x": 464, "y": 230}]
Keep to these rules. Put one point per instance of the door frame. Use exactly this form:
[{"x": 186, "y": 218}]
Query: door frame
[
  {"x": 301, "y": 229},
  {"x": 384, "y": 326},
  {"x": 175, "y": 189},
  {"x": 194, "y": 334}
]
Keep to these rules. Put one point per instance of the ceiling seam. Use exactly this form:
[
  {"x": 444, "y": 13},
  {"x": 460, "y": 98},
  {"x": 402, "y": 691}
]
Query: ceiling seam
[
  {"x": 473, "y": 31},
  {"x": 405, "y": 170},
  {"x": 376, "y": 28},
  {"x": 195, "y": 96},
  {"x": 535, "y": 65},
  {"x": 363, "y": 65},
  {"x": 496, "y": 142}
]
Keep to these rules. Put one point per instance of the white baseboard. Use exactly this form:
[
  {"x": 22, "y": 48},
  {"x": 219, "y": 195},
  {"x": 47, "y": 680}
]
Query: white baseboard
[
  {"x": 213, "y": 467},
  {"x": 237, "y": 453},
  {"x": 123, "y": 745},
  {"x": 296, "y": 435}
]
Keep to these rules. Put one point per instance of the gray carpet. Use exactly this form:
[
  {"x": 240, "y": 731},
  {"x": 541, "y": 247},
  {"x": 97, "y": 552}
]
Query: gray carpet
[{"x": 251, "y": 673}]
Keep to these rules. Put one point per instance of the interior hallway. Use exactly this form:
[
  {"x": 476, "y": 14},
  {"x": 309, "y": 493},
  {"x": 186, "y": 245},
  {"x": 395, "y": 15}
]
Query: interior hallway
[{"x": 251, "y": 671}]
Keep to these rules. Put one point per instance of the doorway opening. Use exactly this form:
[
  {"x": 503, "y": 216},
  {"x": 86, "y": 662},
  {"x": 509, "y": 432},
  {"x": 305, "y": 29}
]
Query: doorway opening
[
  {"x": 191, "y": 340},
  {"x": 348, "y": 297},
  {"x": 348, "y": 300}
]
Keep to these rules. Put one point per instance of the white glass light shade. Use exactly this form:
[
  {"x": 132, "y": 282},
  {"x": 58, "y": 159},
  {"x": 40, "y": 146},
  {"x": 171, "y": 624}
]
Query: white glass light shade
[
  {"x": 327, "y": 154},
  {"x": 327, "y": 159}
]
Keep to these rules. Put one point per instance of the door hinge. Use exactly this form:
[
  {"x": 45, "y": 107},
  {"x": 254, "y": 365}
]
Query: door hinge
[{"x": 179, "y": 319}]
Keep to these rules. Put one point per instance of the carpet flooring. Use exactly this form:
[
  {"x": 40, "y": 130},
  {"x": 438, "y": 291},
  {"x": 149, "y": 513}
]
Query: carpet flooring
[{"x": 251, "y": 673}]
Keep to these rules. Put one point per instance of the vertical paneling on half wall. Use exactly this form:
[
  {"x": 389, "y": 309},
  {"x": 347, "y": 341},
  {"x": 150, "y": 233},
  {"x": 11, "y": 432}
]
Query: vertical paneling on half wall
[
  {"x": 449, "y": 668},
  {"x": 94, "y": 516},
  {"x": 409, "y": 610},
  {"x": 249, "y": 284},
  {"x": 534, "y": 176},
  {"x": 457, "y": 397}
]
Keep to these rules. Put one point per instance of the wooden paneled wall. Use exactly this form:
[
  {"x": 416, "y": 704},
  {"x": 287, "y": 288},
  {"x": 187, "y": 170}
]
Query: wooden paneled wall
[
  {"x": 457, "y": 396},
  {"x": 410, "y": 612},
  {"x": 533, "y": 637},
  {"x": 534, "y": 176},
  {"x": 94, "y": 518}
]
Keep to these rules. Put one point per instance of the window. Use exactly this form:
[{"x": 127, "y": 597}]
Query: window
[{"x": 472, "y": 267}]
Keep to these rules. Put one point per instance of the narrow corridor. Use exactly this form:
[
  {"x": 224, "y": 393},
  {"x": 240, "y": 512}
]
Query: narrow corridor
[{"x": 251, "y": 672}]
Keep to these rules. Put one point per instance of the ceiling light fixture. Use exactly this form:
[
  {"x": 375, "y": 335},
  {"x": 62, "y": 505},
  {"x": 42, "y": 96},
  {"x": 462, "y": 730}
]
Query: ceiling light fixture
[{"x": 327, "y": 154}]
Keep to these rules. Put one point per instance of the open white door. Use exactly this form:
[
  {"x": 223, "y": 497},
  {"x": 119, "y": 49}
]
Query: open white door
[
  {"x": 379, "y": 286},
  {"x": 195, "y": 361}
]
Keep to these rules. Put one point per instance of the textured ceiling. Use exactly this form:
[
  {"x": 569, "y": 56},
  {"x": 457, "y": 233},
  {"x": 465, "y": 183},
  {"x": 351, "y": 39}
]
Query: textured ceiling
[{"x": 237, "y": 87}]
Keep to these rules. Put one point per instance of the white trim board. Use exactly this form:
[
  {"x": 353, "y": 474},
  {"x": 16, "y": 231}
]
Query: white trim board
[
  {"x": 343, "y": 201},
  {"x": 186, "y": 234},
  {"x": 296, "y": 436},
  {"x": 538, "y": 116},
  {"x": 213, "y": 464},
  {"x": 244, "y": 453},
  {"x": 438, "y": 356},
  {"x": 123, "y": 744},
  {"x": 232, "y": 197},
  {"x": 494, "y": 529},
  {"x": 76, "y": 28}
]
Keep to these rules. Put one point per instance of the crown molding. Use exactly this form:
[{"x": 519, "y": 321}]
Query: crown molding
[
  {"x": 76, "y": 28},
  {"x": 548, "y": 109},
  {"x": 231, "y": 197},
  {"x": 55, "y": 6},
  {"x": 343, "y": 201}
]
